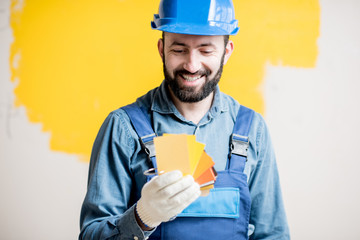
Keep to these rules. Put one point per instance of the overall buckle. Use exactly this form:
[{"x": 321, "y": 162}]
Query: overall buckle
[
  {"x": 239, "y": 145},
  {"x": 147, "y": 143}
]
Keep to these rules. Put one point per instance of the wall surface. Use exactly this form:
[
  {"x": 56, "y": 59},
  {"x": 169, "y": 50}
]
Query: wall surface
[
  {"x": 62, "y": 70},
  {"x": 314, "y": 118}
]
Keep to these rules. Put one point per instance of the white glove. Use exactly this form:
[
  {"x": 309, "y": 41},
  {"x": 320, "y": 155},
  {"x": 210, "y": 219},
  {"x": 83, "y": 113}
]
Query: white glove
[{"x": 165, "y": 196}]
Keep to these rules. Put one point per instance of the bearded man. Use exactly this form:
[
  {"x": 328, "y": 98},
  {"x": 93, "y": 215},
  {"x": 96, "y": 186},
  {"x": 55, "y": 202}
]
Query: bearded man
[{"x": 122, "y": 203}]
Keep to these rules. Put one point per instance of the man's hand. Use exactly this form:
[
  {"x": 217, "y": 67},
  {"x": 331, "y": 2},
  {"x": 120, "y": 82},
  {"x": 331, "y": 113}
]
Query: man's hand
[{"x": 165, "y": 196}]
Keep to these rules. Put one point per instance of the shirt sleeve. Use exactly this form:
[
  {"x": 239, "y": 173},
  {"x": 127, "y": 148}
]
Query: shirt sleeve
[
  {"x": 267, "y": 217},
  {"x": 108, "y": 208}
]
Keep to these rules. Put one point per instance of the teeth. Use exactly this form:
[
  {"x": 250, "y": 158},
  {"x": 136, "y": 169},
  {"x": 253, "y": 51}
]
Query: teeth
[{"x": 191, "y": 79}]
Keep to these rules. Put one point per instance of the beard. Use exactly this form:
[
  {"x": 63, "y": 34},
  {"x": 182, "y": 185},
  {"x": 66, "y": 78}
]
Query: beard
[{"x": 189, "y": 94}]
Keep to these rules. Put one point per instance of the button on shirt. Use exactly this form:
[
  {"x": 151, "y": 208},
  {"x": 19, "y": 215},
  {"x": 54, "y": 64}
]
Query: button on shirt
[{"x": 118, "y": 162}]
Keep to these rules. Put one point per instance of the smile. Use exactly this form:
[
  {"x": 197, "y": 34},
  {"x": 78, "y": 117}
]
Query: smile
[{"x": 191, "y": 78}]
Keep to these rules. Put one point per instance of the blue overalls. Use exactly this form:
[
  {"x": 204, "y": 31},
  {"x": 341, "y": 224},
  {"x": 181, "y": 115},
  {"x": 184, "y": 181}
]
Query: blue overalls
[{"x": 225, "y": 212}]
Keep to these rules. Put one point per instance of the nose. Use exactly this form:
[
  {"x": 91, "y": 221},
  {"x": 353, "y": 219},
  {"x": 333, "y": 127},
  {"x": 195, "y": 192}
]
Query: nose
[{"x": 192, "y": 62}]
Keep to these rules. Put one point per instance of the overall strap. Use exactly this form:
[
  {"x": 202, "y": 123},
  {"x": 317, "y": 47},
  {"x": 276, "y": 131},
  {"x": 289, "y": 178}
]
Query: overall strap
[
  {"x": 142, "y": 126},
  {"x": 239, "y": 142}
]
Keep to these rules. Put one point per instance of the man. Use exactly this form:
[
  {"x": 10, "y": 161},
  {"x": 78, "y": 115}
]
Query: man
[{"x": 246, "y": 201}]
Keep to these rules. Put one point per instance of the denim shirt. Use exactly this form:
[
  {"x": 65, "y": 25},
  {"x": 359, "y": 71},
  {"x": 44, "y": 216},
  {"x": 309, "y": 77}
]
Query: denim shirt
[{"x": 117, "y": 165}]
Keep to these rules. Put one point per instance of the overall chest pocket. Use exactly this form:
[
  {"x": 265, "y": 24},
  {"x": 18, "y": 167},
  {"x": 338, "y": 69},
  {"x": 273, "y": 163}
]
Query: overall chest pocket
[{"x": 221, "y": 202}]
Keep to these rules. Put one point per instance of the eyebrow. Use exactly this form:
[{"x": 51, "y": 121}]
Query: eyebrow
[{"x": 175, "y": 43}]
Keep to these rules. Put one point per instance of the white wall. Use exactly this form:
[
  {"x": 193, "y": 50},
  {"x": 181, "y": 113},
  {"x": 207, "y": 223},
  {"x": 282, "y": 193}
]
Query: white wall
[{"x": 313, "y": 115}]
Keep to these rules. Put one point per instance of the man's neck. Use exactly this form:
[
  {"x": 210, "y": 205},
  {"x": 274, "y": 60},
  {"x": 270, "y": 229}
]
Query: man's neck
[{"x": 193, "y": 111}]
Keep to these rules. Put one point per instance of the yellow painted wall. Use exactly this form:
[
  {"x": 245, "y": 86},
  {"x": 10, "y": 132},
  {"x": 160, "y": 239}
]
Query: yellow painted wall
[{"x": 75, "y": 61}]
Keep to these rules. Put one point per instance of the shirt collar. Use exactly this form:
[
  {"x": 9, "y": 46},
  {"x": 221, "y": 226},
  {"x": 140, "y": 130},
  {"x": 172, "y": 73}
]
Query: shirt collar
[{"x": 162, "y": 102}]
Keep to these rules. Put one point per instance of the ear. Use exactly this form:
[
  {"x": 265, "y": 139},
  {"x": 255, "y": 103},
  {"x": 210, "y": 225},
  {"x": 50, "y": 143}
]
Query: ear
[
  {"x": 160, "y": 46},
  {"x": 228, "y": 51}
]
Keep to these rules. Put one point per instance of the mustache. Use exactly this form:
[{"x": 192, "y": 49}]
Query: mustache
[{"x": 200, "y": 72}]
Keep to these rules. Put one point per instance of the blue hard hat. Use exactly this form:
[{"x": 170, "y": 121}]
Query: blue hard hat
[{"x": 196, "y": 17}]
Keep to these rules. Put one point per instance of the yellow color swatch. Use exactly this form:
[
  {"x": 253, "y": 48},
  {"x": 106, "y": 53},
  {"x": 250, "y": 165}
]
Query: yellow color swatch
[
  {"x": 172, "y": 153},
  {"x": 195, "y": 151}
]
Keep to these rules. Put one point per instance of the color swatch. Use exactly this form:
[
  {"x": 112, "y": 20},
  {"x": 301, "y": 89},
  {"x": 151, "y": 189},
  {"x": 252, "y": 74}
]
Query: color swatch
[{"x": 182, "y": 152}]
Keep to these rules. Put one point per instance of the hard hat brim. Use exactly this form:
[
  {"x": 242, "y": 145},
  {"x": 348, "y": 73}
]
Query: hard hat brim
[{"x": 211, "y": 28}]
